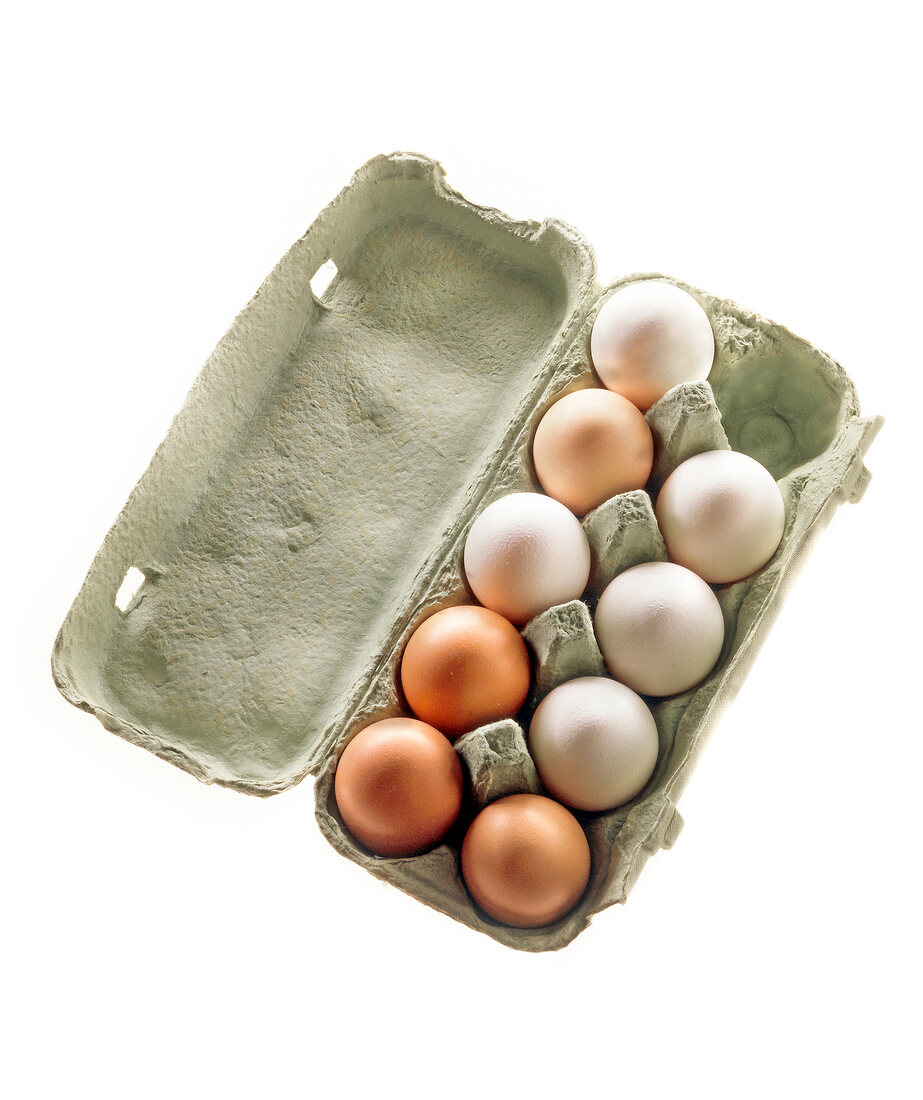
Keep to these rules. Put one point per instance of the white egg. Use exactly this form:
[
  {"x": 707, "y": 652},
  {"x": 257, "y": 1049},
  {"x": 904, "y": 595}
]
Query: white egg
[
  {"x": 524, "y": 554},
  {"x": 594, "y": 742},
  {"x": 649, "y": 337},
  {"x": 660, "y": 628},
  {"x": 721, "y": 515}
]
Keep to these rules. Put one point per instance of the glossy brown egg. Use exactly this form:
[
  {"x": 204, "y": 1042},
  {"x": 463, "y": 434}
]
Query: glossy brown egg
[
  {"x": 525, "y": 860},
  {"x": 464, "y": 667},
  {"x": 398, "y": 787},
  {"x": 591, "y": 445}
]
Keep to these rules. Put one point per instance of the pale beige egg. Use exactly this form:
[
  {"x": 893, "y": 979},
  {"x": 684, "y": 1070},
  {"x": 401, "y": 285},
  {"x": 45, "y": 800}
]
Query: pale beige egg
[
  {"x": 594, "y": 742},
  {"x": 649, "y": 337},
  {"x": 721, "y": 515},
  {"x": 660, "y": 628},
  {"x": 525, "y": 553}
]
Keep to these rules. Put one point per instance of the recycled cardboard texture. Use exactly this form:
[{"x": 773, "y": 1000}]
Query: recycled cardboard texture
[
  {"x": 309, "y": 505},
  {"x": 319, "y": 467},
  {"x": 498, "y": 762}
]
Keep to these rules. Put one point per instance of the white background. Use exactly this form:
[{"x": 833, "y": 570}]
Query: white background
[{"x": 162, "y": 938}]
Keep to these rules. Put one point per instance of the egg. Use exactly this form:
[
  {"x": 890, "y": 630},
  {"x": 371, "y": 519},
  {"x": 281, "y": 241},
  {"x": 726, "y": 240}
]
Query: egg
[
  {"x": 525, "y": 860},
  {"x": 594, "y": 743},
  {"x": 649, "y": 337},
  {"x": 464, "y": 667},
  {"x": 398, "y": 787},
  {"x": 589, "y": 446},
  {"x": 524, "y": 554},
  {"x": 722, "y": 515},
  {"x": 660, "y": 628}
]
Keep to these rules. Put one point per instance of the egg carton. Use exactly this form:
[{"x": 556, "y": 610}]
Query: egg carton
[{"x": 309, "y": 506}]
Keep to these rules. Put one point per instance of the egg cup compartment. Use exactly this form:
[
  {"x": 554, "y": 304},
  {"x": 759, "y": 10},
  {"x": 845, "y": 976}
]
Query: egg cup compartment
[
  {"x": 309, "y": 505},
  {"x": 783, "y": 405}
]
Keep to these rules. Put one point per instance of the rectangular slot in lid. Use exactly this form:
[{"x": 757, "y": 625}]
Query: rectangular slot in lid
[{"x": 323, "y": 460}]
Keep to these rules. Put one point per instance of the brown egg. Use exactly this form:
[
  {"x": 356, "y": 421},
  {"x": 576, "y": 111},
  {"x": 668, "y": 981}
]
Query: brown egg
[
  {"x": 525, "y": 860},
  {"x": 398, "y": 787},
  {"x": 591, "y": 445},
  {"x": 464, "y": 667}
]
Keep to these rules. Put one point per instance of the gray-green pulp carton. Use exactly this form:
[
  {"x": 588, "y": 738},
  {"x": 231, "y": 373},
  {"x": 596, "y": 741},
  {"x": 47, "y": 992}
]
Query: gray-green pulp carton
[{"x": 310, "y": 502}]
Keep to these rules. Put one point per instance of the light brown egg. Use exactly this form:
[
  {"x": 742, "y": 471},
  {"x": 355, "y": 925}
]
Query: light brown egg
[
  {"x": 464, "y": 667},
  {"x": 398, "y": 787},
  {"x": 525, "y": 860},
  {"x": 591, "y": 445}
]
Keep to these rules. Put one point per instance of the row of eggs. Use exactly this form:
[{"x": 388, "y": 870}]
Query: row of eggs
[
  {"x": 399, "y": 783},
  {"x": 721, "y": 515}
]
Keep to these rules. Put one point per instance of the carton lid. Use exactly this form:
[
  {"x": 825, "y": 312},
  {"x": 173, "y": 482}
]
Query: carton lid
[{"x": 320, "y": 472}]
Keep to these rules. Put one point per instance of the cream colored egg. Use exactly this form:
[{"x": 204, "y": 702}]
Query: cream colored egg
[
  {"x": 524, "y": 554},
  {"x": 660, "y": 628},
  {"x": 594, "y": 742},
  {"x": 649, "y": 337},
  {"x": 721, "y": 515}
]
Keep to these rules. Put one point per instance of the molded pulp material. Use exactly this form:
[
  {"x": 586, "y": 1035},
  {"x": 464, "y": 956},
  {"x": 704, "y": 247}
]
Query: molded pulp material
[
  {"x": 308, "y": 490},
  {"x": 309, "y": 506},
  {"x": 498, "y": 762}
]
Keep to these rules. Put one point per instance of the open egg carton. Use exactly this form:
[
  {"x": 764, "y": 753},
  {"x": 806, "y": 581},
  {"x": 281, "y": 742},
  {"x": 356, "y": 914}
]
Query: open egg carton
[{"x": 309, "y": 507}]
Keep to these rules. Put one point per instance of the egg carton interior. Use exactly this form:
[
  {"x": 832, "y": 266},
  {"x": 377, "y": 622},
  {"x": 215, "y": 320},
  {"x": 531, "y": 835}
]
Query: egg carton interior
[
  {"x": 773, "y": 397},
  {"x": 319, "y": 466}
]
